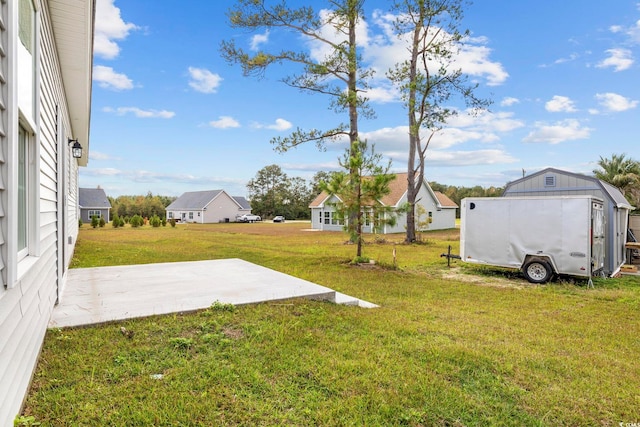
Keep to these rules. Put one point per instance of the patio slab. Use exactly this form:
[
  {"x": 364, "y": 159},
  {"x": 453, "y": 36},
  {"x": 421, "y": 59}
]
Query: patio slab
[{"x": 104, "y": 294}]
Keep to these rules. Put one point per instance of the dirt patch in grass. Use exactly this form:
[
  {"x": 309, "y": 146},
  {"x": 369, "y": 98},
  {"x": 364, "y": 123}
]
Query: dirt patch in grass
[{"x": 458, "y": 274}]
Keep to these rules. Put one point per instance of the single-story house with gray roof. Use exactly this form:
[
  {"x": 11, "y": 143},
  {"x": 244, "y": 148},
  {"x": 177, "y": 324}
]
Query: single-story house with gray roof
[
  {"x": 206, "y": 207},
  {"x": 556, "y": 182},
  {"x": 94, "y": 202}
]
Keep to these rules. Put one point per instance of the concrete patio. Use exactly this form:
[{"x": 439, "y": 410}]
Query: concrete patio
[{"x": 103, "y": 294}]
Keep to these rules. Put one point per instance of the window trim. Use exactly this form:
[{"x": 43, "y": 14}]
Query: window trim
[{"x": 32, "y": 248}]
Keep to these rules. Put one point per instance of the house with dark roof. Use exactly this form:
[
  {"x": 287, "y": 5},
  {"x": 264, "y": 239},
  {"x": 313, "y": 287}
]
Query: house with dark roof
[
  {"x": 207, "y": 207},
  {"x": 556, "y": 182},
  {"x": 439, "y": 210},
  {"x": 94, "y": 202}
]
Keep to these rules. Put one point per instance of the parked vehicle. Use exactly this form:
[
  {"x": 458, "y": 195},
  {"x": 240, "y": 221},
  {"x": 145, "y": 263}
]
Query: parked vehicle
[
  {"x": 248, "y": 218},
  {"x": 541, "y": 236},
  {"x": 278, "y": 218}
]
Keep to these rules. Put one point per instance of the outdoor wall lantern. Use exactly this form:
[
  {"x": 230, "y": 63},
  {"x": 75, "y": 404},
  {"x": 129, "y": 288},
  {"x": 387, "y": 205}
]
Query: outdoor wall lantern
[{"x": 76, "y": 150}]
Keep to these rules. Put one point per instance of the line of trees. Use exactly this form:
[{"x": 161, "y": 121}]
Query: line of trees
[{"x": 145, "y": 206}]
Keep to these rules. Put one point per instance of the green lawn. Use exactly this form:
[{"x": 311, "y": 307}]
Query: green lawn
[{"x": 448, "y": 347}]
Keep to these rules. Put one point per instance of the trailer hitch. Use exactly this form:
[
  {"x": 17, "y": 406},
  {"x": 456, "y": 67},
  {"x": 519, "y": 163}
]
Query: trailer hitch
[{"x": 449, "y": 255}]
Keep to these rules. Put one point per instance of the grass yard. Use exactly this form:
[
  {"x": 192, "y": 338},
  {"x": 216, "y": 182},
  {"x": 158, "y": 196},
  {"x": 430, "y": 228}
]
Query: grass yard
[{"x": 464, "y": 346}]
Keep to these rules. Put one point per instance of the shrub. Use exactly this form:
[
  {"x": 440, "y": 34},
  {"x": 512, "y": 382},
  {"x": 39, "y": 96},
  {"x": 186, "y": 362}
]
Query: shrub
[
  {"x": 115, "y": 222},
  {"x": 80, "y": 222},
  {"x": 122, "y": 222},
  {"x": 136, "y": 221},
  {"x": 172, "y": 221},
  {"x": 95, "y": 221},
  {"x": 102, "y": 222},
  {"x": 155, "y": 221}
]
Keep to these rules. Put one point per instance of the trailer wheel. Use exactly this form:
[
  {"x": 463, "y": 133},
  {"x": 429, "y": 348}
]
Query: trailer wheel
[{"x": 537, "y": 271}]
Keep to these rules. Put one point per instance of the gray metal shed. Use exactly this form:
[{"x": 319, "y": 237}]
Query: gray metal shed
[{"x": 556, "y": 182}]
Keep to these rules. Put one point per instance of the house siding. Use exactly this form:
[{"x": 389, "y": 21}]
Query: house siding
[
  {"x": 30, "y": 288},
  {"x": 221, "y": 208},
  {"x": 84, "y": 214}
]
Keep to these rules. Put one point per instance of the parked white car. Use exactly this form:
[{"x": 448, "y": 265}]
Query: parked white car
[{"x": 248, "y": 218}]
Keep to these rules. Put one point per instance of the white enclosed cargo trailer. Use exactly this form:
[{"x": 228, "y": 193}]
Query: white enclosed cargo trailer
[{"x": 541, "y": 236}]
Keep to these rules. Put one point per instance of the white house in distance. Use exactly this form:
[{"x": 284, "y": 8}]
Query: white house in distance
[
  {"x": 207, "y": 207},
  {"x": 46, "y": 59},
  {"x": 440, "y": 209}
]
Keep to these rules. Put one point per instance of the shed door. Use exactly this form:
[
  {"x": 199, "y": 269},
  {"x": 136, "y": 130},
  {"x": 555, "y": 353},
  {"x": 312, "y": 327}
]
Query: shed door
[{"x": 597, "y": 236}]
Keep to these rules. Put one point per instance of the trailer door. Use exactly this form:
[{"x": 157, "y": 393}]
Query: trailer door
[{"x": 597, "y": 236}]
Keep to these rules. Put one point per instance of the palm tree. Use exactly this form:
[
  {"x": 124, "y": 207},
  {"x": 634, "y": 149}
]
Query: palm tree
[{"x": 622, "y": 172}]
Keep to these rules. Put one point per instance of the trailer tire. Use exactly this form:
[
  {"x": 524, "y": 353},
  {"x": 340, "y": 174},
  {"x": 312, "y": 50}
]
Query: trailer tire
[{"x": 537, "y": 271}]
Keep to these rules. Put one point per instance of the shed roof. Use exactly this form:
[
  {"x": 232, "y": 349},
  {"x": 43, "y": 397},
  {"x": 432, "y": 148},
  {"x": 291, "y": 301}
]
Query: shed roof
[
  {"x": 613, "y": 193},
  {"x": 93, "y": 198}
]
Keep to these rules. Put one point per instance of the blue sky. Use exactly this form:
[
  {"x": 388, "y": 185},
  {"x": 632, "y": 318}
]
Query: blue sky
[{"x": 169, "y": 115}]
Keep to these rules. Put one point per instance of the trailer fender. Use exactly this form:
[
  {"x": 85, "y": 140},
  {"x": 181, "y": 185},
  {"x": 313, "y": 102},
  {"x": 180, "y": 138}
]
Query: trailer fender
[{"x": 538, "y": 268}]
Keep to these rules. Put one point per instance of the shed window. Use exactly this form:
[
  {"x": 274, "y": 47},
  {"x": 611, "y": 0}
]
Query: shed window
[{"x": 550, "y": 181}]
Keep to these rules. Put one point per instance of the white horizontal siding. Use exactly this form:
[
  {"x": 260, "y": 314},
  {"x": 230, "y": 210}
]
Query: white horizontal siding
[{"x": 25, "y": 309}]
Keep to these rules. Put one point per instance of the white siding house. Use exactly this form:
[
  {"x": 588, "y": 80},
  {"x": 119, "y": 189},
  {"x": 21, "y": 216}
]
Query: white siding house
[
  {"x": 45, "y": 97},
  {"x": 207, "y": 207},
  {"x": 438, "y": 208}
]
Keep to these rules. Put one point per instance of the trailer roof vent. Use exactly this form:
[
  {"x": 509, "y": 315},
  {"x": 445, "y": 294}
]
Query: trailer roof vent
[{"x": 550, "y": 181}]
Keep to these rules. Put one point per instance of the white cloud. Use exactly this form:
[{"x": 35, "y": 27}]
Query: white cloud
[
  {"x": 203, "y": 80},
  {"x": 509, "y": 101},
  {"x": 566, "y": 130},
  {"x": 385, "y": 49},
  {"x": 381, "y": 94},
  {"x": 143, "y": 114},
  {"x": 485, "y": 128},
  {"x": 633, "y": 32},
  {"x": 469, "y": 158},
  {"x": 570, "y": 58},
  {"x": 109, "y": 27},
  {"x": 474, "y": 60},
  {"x": 96, "y": 155},
  {"x": 560, "y": 104},
  {"x": 259, "y": 39},
  {"x": 613, "y": 102},
  {"x": 280, "y": 124},
  {"x": 107, "y": 78},
  {"x": 224, "y": 122},
  {"x": 619, "y": 59}
]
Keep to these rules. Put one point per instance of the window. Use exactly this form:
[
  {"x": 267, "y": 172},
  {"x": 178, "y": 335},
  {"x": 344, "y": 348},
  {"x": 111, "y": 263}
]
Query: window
[
  {"x": 23, "y": 193},
  {"x": 190, "y": 215},
  {"x": 170, "y": 215},
  {"x": 26, "y": 59},
  {"x": 97, "y": 214},
  {"x": 327, "y": 217}
]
